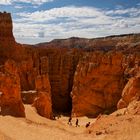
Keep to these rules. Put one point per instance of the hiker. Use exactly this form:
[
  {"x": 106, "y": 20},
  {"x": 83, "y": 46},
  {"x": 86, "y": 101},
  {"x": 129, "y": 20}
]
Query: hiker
[
  {"x": 69, "y": 121},
  {"x": 58, "y": 116},
  {"x": 53, "y": 117},
  {"x": 77, "y": 121},
  {"x": 88, "y": 124}
]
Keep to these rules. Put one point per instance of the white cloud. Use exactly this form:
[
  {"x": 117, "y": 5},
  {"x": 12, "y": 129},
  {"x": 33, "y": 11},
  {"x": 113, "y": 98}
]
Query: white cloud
[
  {"x": 5, "y": 2},
  {"x": 128, "y": 11},
  {"x": 18, "y": 7},
  {"x": 70, "y": 12},
  {"x": 74, "y": 21},
  {"x": 36, "y": 2}
]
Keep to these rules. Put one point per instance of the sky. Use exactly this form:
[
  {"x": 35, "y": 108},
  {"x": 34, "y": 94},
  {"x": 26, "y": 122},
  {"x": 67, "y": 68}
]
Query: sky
[{"x": 36, "y": 21}]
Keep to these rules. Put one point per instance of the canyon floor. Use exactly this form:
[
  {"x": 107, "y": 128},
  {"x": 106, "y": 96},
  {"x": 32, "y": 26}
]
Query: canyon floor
[{"x": 35, "y": 127}]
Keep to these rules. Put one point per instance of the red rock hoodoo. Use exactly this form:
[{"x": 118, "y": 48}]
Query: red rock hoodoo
[
  {"x": 43, "y": 102},
  {"x": 6, "y": 27},
  {"x": 10, "y": 99},
  {"x": 130, "y": 92}
]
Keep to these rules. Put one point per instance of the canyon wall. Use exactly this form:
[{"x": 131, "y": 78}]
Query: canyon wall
[
  {"x": 98, "y": 84},
  {"x": 62, "y": 65}
]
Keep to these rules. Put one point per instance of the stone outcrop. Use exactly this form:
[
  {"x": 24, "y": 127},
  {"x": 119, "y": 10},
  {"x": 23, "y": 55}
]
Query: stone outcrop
[
  {"x": 133, "y": 108},
  {"x": 27, "y": 74},
  {"x": 42, "y": 83},
  {"x": 43, "y": 102},
  {"x": 10, "y": 98},
  {"x": 98, "y": 84},
  {"x": 6, "y": 34},
  {"x": 130, "y": 92}
]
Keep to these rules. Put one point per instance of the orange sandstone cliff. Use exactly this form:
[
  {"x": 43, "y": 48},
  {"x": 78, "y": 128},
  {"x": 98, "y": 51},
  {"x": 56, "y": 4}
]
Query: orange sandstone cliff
[{"x": 98, "y": 84}]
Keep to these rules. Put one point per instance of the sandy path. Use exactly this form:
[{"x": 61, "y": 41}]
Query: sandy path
[{"x": 35, "y": 127}]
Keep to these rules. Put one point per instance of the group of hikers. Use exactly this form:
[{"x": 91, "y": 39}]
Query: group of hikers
[
  {"x": 77, "y": 122},
  {"x": 70, "y": 121}
]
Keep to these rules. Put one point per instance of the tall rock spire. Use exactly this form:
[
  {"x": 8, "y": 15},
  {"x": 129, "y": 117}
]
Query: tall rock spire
[{"x": 6, "y": 29}]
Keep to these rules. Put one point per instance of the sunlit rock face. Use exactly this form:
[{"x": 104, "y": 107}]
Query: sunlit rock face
[
  {"x": 98, "y": 84},
  {"x": 132, "y": 75},
  {"x": 43, "y": 101},
  {"x": 10, "y": 98},
  {"x": 130, "y": 92},
  {"x": 43, "y": 104}
]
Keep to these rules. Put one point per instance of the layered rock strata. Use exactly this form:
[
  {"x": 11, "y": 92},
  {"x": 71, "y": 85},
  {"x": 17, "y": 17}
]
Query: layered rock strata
[
  {"x": 98, "y": 84},
  {"x": 62, "y": 64}
]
